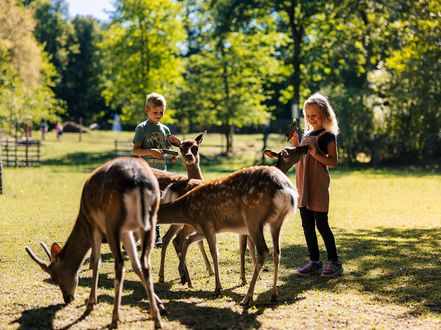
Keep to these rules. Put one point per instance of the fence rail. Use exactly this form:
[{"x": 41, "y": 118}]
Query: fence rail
[
  {"x": 123, "y": 148},
  {"x": 20, "y": 153}
]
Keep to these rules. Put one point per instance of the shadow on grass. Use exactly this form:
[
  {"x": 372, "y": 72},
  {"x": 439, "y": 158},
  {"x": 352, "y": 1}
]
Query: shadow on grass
[
  {"x": 38, "y": 318},
  {"x": 80, "y": 158},
  {"x": 394, "y": 266}
]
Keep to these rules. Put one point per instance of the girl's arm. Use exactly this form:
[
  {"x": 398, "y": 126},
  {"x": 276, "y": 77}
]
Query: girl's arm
[{"x": 329, "y": 159}]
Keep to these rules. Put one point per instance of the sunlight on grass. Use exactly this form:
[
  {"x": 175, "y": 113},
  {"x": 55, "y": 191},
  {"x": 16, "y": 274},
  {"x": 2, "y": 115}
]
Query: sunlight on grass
[{"x": 387, "y": 227}]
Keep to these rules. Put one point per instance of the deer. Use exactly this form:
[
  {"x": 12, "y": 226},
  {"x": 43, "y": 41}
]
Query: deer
[
  {"x": 189, "y": 149},
  {"x": 243, "y": 202},
  {"x": 285, "y": 160},
  {"x": 119, "y": 201},
  {"x": 190, "y": 152}
]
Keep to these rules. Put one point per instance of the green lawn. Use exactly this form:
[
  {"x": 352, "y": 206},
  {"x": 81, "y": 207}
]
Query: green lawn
[{"x": 387, "y": 225}]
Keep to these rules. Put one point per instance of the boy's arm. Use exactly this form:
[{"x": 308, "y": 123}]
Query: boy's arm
[{"x": 137, "y": 150}]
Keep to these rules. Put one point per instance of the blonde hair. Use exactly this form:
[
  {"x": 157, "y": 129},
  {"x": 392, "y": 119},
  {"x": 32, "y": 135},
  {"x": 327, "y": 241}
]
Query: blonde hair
[
  {"x": 328, "y": 115},
  {"x": 157, "y": 100}
]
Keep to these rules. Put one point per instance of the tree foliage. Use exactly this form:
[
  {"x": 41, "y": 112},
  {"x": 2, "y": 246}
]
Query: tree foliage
[
  {"x": 25, "y": 72},
  {"x": 141, "y": 54}
]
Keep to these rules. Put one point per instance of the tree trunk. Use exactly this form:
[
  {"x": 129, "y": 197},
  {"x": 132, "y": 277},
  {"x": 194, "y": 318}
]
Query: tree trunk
[
  {"x": 296, "y": 35},
  {"x": 229, "y": 134}
]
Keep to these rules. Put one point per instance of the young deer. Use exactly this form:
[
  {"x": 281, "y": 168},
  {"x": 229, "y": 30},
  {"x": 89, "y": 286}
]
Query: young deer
[
  {"x": 242, "y": 202},
  {"x": 190, "y": 153},
  {"x": 285, "y": 160},
  {"x": 119, "y": 201},
  {"x": 189, "y": 149}
]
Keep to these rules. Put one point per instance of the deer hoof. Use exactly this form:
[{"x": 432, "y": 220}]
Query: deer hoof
[
  {"x": 183, "y": 279},
  {"x": 114, "y": 324},
  {"x": 161, "y": 279},
  {"x": 244, "y": 281},
  {"x": 273, "y": 298},
  {"x": 218, "y": 293},
  {"x": 246, "y": 301},
  {"x": 90, "y": 306}
]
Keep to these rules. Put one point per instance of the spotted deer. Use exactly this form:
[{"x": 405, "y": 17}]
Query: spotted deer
[
  {"x": 242, "y": 202},
  {"x": 189, "y": 149},
  {"x": 285, "y": 160},
  {"x": 190, "y": 152},
  {"x": 119, "y": 201}
]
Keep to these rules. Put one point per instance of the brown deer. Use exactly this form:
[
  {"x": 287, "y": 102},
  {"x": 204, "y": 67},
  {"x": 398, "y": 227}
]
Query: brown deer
[
  {"x": 189, "y": 149},
  {"x": 190, "y": 152},
  {"x": 285, "y": 160},
  {"x": 242, "y": 202},
  {"x": 119, "y": 201}
]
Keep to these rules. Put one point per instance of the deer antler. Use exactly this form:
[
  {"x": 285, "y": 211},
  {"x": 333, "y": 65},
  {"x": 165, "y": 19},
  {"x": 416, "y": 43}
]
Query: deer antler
[
  {"x": 40, "y": 262},
  {"x": 46, "y": 249}
]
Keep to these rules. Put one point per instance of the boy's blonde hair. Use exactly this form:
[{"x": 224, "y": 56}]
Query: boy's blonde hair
[
  {"x": 328, "y": 115},
  {"x": 157, "y": 100}
]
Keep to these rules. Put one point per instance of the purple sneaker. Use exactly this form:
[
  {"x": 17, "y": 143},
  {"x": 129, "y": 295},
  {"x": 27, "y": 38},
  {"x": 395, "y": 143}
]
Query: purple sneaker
[
  {"x": 332, "y": 269},
  {"x": 309, "y": 268}
]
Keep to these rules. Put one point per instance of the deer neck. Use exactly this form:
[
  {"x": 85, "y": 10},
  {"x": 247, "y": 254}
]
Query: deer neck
[
  {"x": 194, "y": 171},
  {"x": 284, "y": 166},
  {"x": 76, "y": 246},
  {"x": 173, "y": 212}
]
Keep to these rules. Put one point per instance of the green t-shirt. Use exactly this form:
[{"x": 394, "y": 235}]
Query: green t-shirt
[{"x": 152, "y": 137}]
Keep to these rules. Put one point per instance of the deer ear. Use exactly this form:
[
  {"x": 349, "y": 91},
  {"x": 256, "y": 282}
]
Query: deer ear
[
  {"x": 270, "y": 153},
  {"x": 200, "y": 137},
  {"x": 174, "y": 140},
  {"x": 55, "y": 249}
]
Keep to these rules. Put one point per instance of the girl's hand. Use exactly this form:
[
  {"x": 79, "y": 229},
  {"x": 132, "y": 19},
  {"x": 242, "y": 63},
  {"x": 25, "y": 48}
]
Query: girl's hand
[
  {"x": 311, "y": 142},
  {"x": 295, "y": 139}
]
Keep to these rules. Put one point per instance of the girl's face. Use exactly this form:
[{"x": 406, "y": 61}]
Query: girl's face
[
  {"x": 154, "y": 114},
  {"x": 314, "y": 116}
]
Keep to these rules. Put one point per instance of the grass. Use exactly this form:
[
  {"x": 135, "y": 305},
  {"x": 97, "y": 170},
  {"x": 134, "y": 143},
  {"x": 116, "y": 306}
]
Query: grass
[{"x": 387, "y": 225}]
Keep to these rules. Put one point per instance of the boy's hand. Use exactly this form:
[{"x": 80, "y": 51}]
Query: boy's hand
[{"x": 157, "y": 153}]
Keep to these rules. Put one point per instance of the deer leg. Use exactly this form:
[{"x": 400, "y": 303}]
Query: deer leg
[
  {"x": 252, "y": 250},
  {"x": 205, "y": 257},
  {"x": 212, "y": 244},
  {"x": 178, "y": 242},
  {"x": 172, "y": 230},
  {"x": 256, "y": 235},
  {"x": 275, "y": 234},
  {"x": 185, "y": 276},
  {"x": 155, "y": 303},
  {"x": 114, "y": 244},
  {"x": 242, "y": 245},
  {"x": 95, "y": 262}
]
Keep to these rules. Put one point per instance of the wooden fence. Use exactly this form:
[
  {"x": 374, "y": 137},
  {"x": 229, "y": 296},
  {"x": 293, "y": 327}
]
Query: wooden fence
[
  {"x": 19, "y": 153},
  {"x": 123, "y": 148}
]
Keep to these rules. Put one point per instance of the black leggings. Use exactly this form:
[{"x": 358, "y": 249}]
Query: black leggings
[{"x": 309, "y": 220}]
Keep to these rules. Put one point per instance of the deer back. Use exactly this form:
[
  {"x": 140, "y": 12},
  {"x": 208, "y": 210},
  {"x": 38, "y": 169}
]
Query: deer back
[
  {"x": 120, "y": 195},
  {"x": 230, "y": 201}
]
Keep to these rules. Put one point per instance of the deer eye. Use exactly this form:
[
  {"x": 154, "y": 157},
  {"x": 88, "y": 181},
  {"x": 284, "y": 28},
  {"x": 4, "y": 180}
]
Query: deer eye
[{"x": 194, "y": 149}]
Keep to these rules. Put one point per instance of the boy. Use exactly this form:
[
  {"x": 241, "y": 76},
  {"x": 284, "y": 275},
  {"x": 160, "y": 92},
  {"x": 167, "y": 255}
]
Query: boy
[{"x": 151, "y": 137}]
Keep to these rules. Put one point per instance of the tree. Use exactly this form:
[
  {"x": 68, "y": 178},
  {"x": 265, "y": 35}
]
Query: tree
[
  {"x": 25, "y": 73},
  {"x": 226, "y": 76},
  {"x": 141, "y": 55},
  {"x": 83, "y": 74}
]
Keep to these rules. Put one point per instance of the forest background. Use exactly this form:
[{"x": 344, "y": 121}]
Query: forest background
[{"x": 233, "y": 66}]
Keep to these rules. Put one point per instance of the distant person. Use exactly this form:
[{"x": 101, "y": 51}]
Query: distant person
[
  {"x": 151, "y": 137},
  {"x": 58, "y": 130},
  {"x": 43, "y": 128},
  {"x": 312, "y": 178}
]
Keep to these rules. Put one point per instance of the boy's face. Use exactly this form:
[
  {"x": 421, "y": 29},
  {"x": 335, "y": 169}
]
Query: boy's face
[{"x": 154, "y": 114}]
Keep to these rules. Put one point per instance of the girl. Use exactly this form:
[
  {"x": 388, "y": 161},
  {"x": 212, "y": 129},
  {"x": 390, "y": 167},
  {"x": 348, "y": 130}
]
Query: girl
[{"x": 312, "y": 179}]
